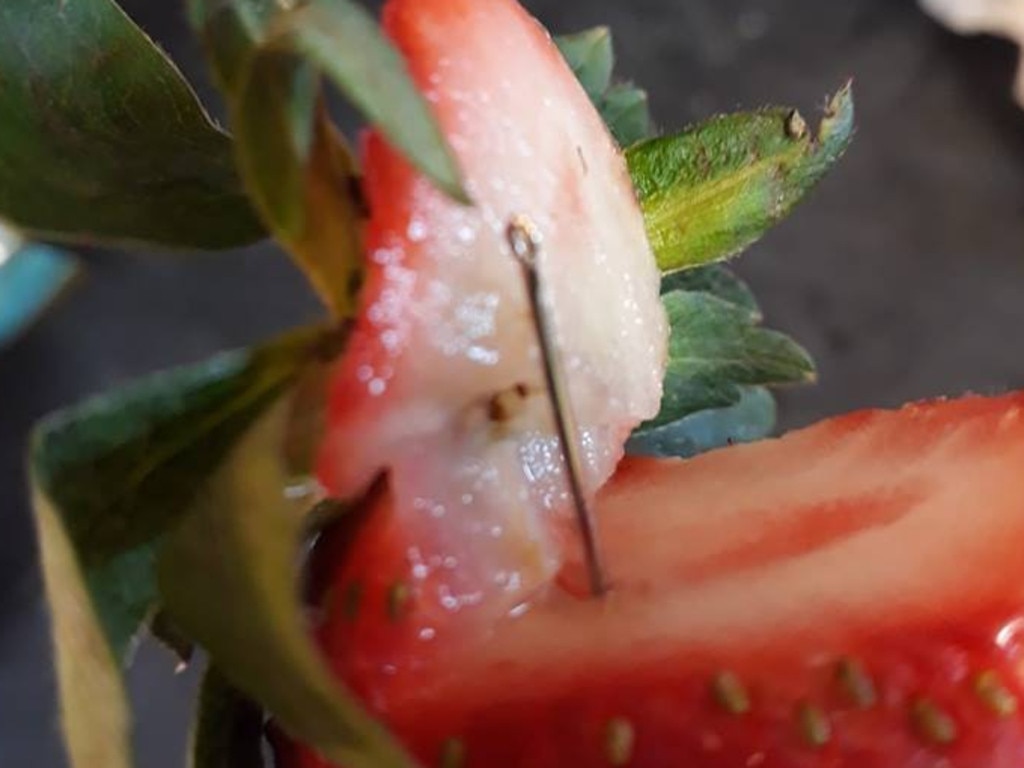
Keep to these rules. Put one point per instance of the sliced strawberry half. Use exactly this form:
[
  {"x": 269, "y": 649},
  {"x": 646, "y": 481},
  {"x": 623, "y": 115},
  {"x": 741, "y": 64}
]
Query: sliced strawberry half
[
  {"x": 441, "y": 385},
  {"x": 849, "y": 595}
]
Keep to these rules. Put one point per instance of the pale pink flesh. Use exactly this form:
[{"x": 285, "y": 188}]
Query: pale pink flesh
[{"x": 445, "y": 326}]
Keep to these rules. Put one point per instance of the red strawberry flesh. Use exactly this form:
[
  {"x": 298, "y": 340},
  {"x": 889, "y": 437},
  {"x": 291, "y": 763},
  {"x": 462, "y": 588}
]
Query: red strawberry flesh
[{"x": 875, "y": 552}]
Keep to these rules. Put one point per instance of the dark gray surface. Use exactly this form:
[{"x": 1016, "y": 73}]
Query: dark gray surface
[{"x": 904, "y": 274}]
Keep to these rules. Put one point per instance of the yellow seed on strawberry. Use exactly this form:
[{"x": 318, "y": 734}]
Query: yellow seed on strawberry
[
  {"x": 996, "y": 696},
  {"x": 932, "y": 723},
  {"x": 453, "y": 754},
  {"x": 855, "y": 683},
  {"x": 398, "y": 600},
  {"x": 619, "y": 740},
  {"x": 814, "y": 725},
  {"x": 730, "y": 693}
]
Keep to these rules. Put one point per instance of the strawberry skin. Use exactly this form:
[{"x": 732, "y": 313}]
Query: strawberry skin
[{"x": 849, "y": 595}]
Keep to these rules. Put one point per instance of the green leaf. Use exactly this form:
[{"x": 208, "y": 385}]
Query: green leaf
[
  {"x": 590, "y": 56},
  {"x": 231, "y": 32},
  {"x": 751, "y": 418},
  {"x": 343, "y": 40},
  {"x": 93, "y": 701},
  {"x": 714, "y": 348},
  {"x": 229, "y": 576},
  {"x": 298, "y": 168},
  {"x": 627, "y": 114},
  {"x": 622, "y": 106},
  {"x": 102, "y": 139},
  {"x": 274, "y": 114},
  {"x": 711, "y": 191},
  {"x": 110, "y": 478},
  {"x": 228, "y": 729},
  {"x": 301, "y": 175},
  {"x": 716, "y": 280}
]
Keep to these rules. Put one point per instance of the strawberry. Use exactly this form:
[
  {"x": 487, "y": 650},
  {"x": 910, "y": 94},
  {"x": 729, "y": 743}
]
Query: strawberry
[
  {"x": 848, "y": 595},
  {"x": 441, "y": 385}
]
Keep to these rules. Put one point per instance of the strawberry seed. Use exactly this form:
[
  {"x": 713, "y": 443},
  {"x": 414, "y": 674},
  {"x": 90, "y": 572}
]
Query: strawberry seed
[
  {"x": 856, "y": 683},
  {"x": 453, "y": 754},
  {"x": 730, "y": 693},
  {"x": 619, "y": 738},
  {"x": 932, "y": 723},
  {"x": 398, "y": 600},
  {"x": 815, "y": 727},
  {"x": 996, "y": 696}
]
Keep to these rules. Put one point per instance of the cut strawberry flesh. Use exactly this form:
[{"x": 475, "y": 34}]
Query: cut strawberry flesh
[
  {"x": 849, "y": 595},
  {"x": 922, "y": 706},
  {"x": 888, "y": 538},
  {"x": 441, "y": 385}
]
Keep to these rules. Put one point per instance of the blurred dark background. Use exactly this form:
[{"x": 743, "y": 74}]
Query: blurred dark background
[{"x": 903, "y": 274}]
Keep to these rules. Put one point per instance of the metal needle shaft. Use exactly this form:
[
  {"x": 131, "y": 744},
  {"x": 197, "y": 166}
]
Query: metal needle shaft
[{"x": 525, "y": 242}]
